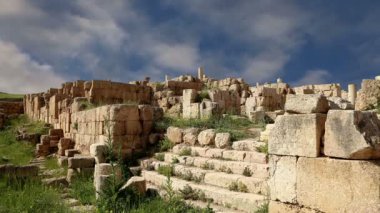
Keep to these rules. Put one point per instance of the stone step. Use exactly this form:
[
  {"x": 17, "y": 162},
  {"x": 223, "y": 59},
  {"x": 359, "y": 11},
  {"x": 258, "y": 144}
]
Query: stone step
[
  {"x": 219, "y": 179},
  {"x": 70, "y": 202},
  {"x": 235, "y": 155},
  {"x": 257, "y": 170},
  {"x": 81, "y": 208},
  {"x": 236, "y": 200},
  {"x": 247, "y": 144},
  {"x": 216, "y": 208}
]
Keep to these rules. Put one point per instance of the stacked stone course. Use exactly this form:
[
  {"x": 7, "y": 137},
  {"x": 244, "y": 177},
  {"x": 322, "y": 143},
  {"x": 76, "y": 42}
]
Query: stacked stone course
[{"x": 314, "y": 158}]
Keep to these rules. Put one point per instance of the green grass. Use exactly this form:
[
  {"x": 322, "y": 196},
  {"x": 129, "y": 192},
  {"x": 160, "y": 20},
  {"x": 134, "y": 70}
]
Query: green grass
[
  {"x": 263, "y": 208},
  {"x": 83, "y": 190},
  {"x": 13, "y": 151},
  {"x": 166, "y": 170},
  {"x": 11, "y": 96},
  {"x": 30, "y": 196},
  {"x": 18, "y": 152},
  {"x": 165, "y": 145},
  {"x": 236, "y": 126}
]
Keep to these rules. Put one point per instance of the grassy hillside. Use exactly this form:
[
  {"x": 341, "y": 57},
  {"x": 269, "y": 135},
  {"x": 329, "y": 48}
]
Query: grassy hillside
[{"x": 10, "y": 96}]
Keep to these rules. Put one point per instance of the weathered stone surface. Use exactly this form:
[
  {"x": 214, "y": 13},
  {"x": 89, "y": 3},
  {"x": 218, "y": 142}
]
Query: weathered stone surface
[
  {"x": 174, "y": 134},
  {"x": 369, "y": 95},
  {"x": 81, "y": 162},
  {"x": 332, "y": 185},
  {"x": 283, "y": 178},
  {"x": 297, "y": 135},
  {"x": 207, "y": 137},
  {"x": 222, "y": 140},
  {"x": 278, "y": 207},
  {"x": 136, "y": 183},
  {"x": 98, "y": 151},
  {"x": 247, "y": 145},
  {"x": 352, "y": 134},
  {"x": 339, "y": 103},
  {"x": 303, "y": 104},
  {"x": 71, "y": 152},
  {"x": 190, "y": 136}
]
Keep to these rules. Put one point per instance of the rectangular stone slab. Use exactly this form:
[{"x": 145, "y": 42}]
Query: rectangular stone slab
[
  {"x": 332, "y": 185},
  {"x": 297, "y": 135}
]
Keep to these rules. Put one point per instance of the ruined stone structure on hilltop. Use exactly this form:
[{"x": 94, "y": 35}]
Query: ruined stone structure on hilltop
[{"x": 323, "y": 156}]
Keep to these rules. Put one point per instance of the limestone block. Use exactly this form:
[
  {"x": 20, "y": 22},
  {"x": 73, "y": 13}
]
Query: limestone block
[
  {"x": 81, "y": 162},
  {"x": 207, "y": 137},
  {"x": 71, "y": 152},
  {"x": 191, "y": 111},
  {"x": 174, "y": 134},
  {"x": 369, "y": 94},
  {"x": 190, "y": 136},
  {"x": 352, "y": 134},
  {"x": 339, "y": 103},
  {"x": 222, "y": 140},
  {"x": 189, "y": 96},
  {"x": 278, "y": 207},
  {"x": 124, "y": 112},
  {"x": 303, "y": 104},
  {"x": 146, "y": 112},
  {"x": 297, "y": 135},
  {"x": 136, "y": 183},
  {"x": 147, "y": 127},
  {"x": 133, "y": 127},
  {"x": 332, "y": 185},
  {"x": 56, "y": 132},
  {"x": 283, "y": 178},
  {"x": 98, "y": 151}
]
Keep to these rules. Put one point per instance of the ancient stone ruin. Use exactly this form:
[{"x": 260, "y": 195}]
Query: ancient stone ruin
[{"x": 323, "y": 143}]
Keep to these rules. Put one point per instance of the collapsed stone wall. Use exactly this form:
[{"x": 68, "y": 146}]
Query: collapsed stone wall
[
  {"x": 129, "y": 127},
  {"x": 329, "y": 90},
  {"x": 65, "y": 109},
  {"x": 324, "y": 160},
  {"x": 11, "y": 107},
  {"x": 368, "y": 95}
]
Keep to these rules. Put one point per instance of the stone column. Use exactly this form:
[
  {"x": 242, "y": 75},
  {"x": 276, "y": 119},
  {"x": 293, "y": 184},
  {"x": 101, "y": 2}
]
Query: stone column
[
  {"x": 200, "y": 72},
  {"x": 166, "y": 78},
  {"x": 279, "y": 80},
  {"x": 352, "y": 93}
]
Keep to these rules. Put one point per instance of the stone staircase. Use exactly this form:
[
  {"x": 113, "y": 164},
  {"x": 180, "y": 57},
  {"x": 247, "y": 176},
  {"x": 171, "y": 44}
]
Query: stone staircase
[
  {"x": 49, "y": 178},
  {"x": 235, "y": 179}
]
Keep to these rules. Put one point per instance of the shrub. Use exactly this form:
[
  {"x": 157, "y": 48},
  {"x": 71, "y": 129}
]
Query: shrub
[
  {"x": 208, "y": 166},
  {"x": 263, "y": 148},
  {"x": 187, "y": 175},
  {"x": 166, "y": 170},
  {"x": 185, "y": 151},
  {"x": 229, "y": 171},
  {"x": 160, "y": 156},
  {"x": 188, "y": 193},
  {"x": 175, "y": 160},
  {"x": 263, "y": 208},
  {"x": 238, "y": 186},
  {"x": 82, "y": 189},
  {"x": 165, "y": 145},
  {"x": 247, "y": 172},
  {"x": 29, "y": 196}
]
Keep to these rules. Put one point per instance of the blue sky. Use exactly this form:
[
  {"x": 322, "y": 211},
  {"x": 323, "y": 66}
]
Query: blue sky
[{"x": 44, "y": 43}]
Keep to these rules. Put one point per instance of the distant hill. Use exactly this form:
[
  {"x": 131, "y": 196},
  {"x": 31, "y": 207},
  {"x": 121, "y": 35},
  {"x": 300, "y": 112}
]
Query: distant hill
[{"x": 7, "y": 96}]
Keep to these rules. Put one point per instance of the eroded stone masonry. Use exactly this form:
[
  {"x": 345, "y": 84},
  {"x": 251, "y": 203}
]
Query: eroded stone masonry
[{"x": 324, "y": 142}]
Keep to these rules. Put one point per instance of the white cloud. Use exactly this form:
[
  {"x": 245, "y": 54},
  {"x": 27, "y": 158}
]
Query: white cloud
[
  {"x": 265, "y": 67},
  {"x": 21, "y": 74},
  {"x": 181, "y": 57},
  {"x": 316, "y": 76}
]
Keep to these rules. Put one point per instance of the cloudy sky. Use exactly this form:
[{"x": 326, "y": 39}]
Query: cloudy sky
[{"x": 44, "y": 43}]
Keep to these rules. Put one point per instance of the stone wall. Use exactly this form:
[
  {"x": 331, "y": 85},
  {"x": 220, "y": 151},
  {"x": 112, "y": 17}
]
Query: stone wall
[
  {"x": 129, "y": 127},
  {"x": 329, "y": 90},
  {"x": 368, "y": 95},
  {"x": 11, "y": 107},
  {"x": 324, "y": 160}
]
